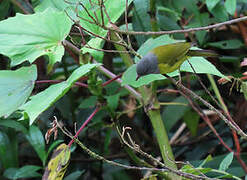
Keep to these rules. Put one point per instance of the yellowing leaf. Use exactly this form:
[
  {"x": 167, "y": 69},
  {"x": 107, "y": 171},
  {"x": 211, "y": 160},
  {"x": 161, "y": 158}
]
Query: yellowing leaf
[{"x": 58, "y": 164}]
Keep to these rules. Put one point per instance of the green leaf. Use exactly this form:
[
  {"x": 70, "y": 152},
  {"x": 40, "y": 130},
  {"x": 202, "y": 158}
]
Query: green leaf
[
  {"x": 200, "y": 64},
  {"x": 208, "y": 158},
  {"x": 81, "y": 71},
  {"x": 4, "y": 9},
  {"x": 43, "y": 100},
  {"x": 224, "y": 165},
  {"x": 114, "y": 9},
  {"x": 28, "y": 171},
  {"x": 227, "y": 44},
  {"x": 129, "y": 77},
  {"x": 220, "y": 13},
  {"x": 112, "y": 101},
  {"x": 89, "y": 102},
  {"x": 196, "y": 171},
  {"x": 211, "y": 4},
  {"x": 173, "y": 113},
  {"x": 192, "y": 119},
  {"x": 13, "y": 124},
  {"x": 56, "y": 4},
  {"x": 27, "y": 37},
  {"x": 244, "y": 89},
  {"x": 8, "y": 149},
  {"x": 96, "y": 43},
  {"x": 15, "y": 87},
  {"x": 169, "y": 11},
  {"x": 4, "y": 155},
  {"x": 231, "y": 6},
  {"x": 203, "y": 20},
  {"x": 36, "y": 139},
  {"x": 140, "y": 20},
  {"x": 74, "y": 175}
]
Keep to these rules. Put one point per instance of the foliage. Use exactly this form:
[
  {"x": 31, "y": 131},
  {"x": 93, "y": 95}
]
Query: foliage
[{"x": 56, "y": 59}]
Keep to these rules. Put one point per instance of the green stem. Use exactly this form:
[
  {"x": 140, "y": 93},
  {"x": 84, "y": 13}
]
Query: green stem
[
  {"x": 125, "y": 56},
  {"x": 217, "y": 92},
  {"x": 153, "y": 111},
  {"x": 153, "y": 19}
]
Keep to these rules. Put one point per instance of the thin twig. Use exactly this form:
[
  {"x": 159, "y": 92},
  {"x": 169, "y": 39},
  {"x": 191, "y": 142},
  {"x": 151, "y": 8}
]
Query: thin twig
[
  {"x": 101, "y": 158},
  {"x": 180, "y": 31},
  {"x": 113, "y": 79},
  {"x": 195, "y": 96},
  {"x": 83, "y": 125}
]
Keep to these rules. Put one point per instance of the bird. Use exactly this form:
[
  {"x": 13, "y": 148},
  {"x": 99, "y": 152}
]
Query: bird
[{"x": 168, "y": 58}]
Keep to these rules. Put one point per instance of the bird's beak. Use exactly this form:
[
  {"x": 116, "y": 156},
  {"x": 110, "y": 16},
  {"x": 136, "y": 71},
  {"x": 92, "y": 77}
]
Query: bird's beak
[{"x": 137, "y": 77}]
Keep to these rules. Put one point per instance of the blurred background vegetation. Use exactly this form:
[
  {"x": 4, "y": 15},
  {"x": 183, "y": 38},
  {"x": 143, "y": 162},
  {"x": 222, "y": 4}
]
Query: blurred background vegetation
[{"x": 23, "y": 151}]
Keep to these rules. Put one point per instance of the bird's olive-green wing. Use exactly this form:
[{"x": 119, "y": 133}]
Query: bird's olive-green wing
[{"x": 171, "y": 56}]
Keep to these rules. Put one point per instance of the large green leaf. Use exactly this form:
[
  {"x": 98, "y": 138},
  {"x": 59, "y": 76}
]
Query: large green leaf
[
  {"x": 114, "y": 9},
  {"x": 220, "y": 13},
  {"x": 13, "y": 124},
  {"x": 4, "y": 144},
  {"x": 15, "y": 87},
  {"x": 231, "y": 6},
  {"x": 46, "y": 98},
  {"x": 140, "y": 20},
  {"x": 26, "y": 37},
  {"x": 211, "y": 4},
  {"x": 8, "y": 149},
  {"x": 173, "y": 113},
  {"x": 28, "y": 171},
  {"x": 36, "y": 139},
  {"x": 200, "y": 64},
  {"x": 56, "y": 4}
]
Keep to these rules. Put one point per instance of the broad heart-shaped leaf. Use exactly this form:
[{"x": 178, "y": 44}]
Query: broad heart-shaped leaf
[
  {"x": 58, "y": 164},
  {"x": 200, "y": 64},
  {"x": 46, "y": 98},
  {"x": 26, "y": 37},
  {"x": 15, "y": 87},
  {"x": 114, "y": 9}
]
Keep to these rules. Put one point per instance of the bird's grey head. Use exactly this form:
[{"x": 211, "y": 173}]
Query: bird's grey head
[{"x": 147, "y": 65}]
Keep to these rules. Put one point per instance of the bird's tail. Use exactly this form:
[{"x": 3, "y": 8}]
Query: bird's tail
[{"x": 204, "y": 53}]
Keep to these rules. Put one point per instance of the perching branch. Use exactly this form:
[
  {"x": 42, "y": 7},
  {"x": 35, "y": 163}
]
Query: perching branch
[{"x": 180, "y": 31}]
